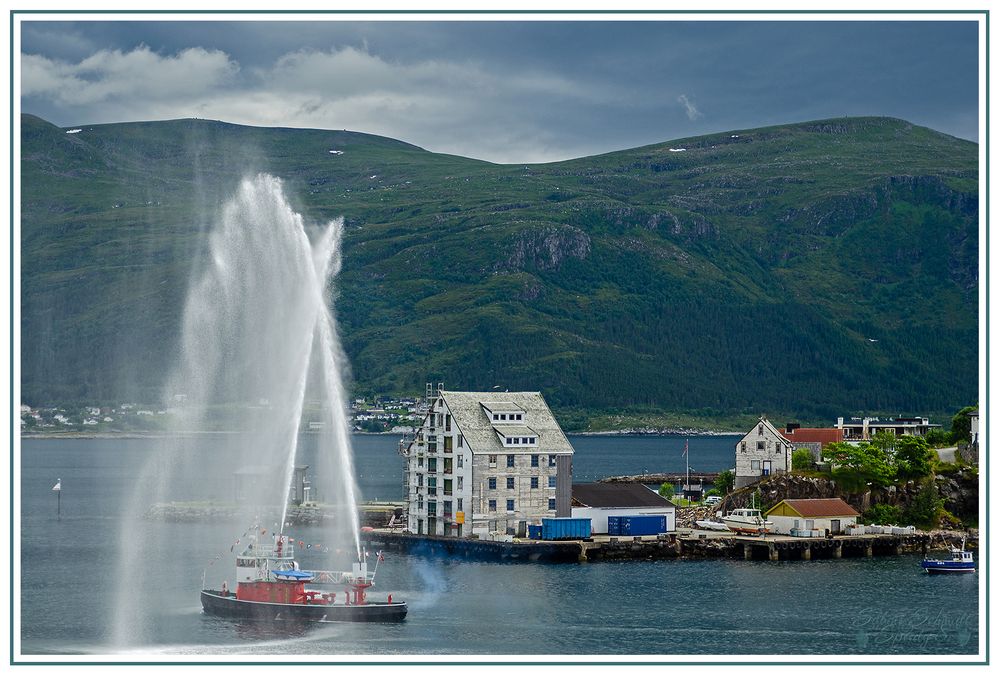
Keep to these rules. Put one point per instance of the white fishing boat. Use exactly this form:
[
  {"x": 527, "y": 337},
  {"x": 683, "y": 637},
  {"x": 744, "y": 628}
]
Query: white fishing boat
[{"x": 747, "y": 520}]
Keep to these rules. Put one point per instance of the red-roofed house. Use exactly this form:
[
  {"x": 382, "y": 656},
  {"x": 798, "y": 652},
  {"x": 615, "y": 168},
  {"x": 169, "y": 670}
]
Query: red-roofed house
[
  {"x": 813, "y": 438},
  {"x": 822, "y": 514}
]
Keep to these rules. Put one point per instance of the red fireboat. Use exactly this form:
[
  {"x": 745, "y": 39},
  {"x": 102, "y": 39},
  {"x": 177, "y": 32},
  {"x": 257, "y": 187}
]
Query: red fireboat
[{"x": 270, "y": 586}]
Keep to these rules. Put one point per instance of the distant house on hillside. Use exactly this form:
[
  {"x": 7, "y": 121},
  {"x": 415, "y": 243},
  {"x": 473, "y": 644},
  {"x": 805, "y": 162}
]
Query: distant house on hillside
[
  {"x": 761, "y": 452},
  {"x": 862, "y": 429},
  {"x": 812, "y": 438}
]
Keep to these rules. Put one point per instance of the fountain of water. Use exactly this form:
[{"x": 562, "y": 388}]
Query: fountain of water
[{"x": 258, "y": 337}]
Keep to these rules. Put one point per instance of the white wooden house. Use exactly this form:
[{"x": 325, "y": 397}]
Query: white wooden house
[{"x": 761, "y": 452}]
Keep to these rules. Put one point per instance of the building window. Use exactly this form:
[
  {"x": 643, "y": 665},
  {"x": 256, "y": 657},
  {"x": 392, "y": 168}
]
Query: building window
[
  {"x": 510, "y": 460},
  {"x": 459, "y": 483},
  {"x": 420, "y": 502},
  {"x": 743, "y": 447},
  {"x": 447, "y": 508},
  {"x": 552, "y": 461},
  {"x": 447, "y": 486},
  {"x": 552, "y": 481},
  {"x": 460, "y": 459},
  {"x": 432, "y": 486},
  {"x": 420, "y": 480},
  {"x": 534, "y": 482},
  {"x": 432, "y": 464},
  {"x": 534, "y": 461},
  {"x": 447, "y": 425},
  {"x": 420, "y": 461},
  {"x": 760, "y": 445},
  {"x": 496, "y": 416},
  {"x": 493, "y": 461},
  {"x": 459, "y": 507},
  {"x": 760, "y": 430},
  {"x": 517, "y": 440},
  {"x": 755, "y": 465},
  {"x": 518, "y": 417},
  {"x": 552, "y": 504},
  {"x": 461, "y": 441},
  {"x": 492, "y": 483},
  {"x": 493, "y": 505},
  {"x": 510, "y": 505},
  {"x": 510, "y": 483},
  {"x": 447, "y": 444},
  {"x": 503, "y": 416},
  {"x": 432, "y": 508},
  {"x": 509, "y": 441},
  {"x": 440, "y": 419}
]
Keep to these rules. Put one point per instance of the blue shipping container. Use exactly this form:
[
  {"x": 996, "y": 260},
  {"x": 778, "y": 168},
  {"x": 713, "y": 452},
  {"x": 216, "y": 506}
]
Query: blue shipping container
[
  {"x": 534, "y": 532},
  {"x": 637, "y": 524},
  {"x": 565, "y": 529}
]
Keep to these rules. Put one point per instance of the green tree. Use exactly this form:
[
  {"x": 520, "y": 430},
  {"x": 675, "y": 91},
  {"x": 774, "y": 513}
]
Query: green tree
[
  {"x": 937, "y": 437},
  {"x": 961, "y": 426},
  {"x": 913, "y": 458},
  {"x": 883, "y": 514},
  {"x": 667, "y": 490},
  {"x": 923, "y": 511},
  {"x": 802, "y": 459},
  {"x": 725, "y": 481},
  {"x": 855, "y": 466}
]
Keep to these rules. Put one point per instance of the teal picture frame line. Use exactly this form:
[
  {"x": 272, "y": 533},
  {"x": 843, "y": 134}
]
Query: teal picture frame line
[{"x": 984, "y": 14}]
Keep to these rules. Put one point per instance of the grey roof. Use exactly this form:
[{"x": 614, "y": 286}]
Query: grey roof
[
  {"x": 477, "y": 427},
  {"x": 616, "y": 495}
]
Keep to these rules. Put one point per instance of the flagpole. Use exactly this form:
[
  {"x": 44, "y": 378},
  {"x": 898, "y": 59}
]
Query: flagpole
[{"x": 687, "y": 461}]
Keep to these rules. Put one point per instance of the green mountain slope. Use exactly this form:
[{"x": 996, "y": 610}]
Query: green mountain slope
[{"x": 750, "y": 271}]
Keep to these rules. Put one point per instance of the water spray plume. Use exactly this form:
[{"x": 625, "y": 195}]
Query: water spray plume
[{"x": 257, "y": 337}]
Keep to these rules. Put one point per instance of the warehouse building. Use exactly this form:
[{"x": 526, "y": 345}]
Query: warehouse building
[{"x": 598, "y": 501}]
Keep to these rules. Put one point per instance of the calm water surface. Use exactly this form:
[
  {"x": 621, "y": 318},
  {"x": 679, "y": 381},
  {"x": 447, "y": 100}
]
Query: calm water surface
[{"x": 884, "y": 605}]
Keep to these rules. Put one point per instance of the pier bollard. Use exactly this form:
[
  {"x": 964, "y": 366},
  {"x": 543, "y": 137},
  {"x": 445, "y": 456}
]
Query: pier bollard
[
  {"x": 772, "y": 552},
  {"x": 807, "y": 553},
  {"x": 838, "y": 550}
]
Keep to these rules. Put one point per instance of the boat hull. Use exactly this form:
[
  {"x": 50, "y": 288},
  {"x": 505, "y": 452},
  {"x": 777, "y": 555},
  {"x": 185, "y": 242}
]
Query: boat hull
[
  {"x": 946, "y": 567},
  {"x": 215, "y": 602}
]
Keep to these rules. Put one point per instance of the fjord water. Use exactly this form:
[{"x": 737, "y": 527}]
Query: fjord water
[
  {"x": 884, "y": 605},
  {"x": 257, "y": 339}
]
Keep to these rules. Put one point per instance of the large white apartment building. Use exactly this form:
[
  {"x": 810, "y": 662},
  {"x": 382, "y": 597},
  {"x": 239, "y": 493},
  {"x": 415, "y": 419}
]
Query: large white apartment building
[{"x": 486, "y": 461}]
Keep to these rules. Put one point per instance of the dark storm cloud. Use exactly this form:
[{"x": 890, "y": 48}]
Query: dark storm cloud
[{"x": 507, "y": 91}]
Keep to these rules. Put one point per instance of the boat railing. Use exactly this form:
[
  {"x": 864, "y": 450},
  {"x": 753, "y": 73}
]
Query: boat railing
[
  {"x": 269, "y": 551},
  {"x": 338, "y": 577}
]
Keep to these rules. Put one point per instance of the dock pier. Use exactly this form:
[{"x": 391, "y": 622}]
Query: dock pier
[{"x": 684, "y": 544}]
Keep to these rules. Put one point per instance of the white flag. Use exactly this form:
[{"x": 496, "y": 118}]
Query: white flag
[{"x": 58, "y": 486}]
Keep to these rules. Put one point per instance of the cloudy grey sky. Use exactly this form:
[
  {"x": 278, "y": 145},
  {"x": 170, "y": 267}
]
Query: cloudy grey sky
[{"x": 504, "y": 91}]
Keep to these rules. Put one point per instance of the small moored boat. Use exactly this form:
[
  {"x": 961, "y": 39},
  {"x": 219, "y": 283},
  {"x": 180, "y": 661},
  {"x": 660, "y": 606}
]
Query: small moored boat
[{"x": 961, "y": 561}]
